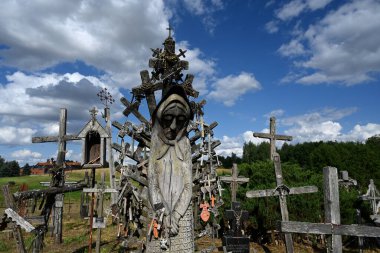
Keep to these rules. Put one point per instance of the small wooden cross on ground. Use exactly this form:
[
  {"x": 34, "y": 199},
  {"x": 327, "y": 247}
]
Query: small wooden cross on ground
[
  {"x": 99, "y": 221},
  {"x": 61, "y": 139},
  {"x": 332, "y": 226},
  {"x": 272, "y": 136},
  {"x": 282, "y": 191},
  {"x": 234, "y": 180}
]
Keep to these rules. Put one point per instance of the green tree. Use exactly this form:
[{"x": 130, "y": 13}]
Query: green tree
[{"x": 26, "y": 169}]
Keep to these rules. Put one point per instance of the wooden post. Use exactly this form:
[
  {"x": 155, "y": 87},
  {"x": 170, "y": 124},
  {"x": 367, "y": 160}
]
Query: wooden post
[
  {"x": 283, "y": 204},
  {"x": 110, "y": 158},
  {"x": 61, "y": 139},
  {"x": 100, "y": 213},
  {"x": 100, "y": 190},
  {"x": 332, "y": 227},
  {"x": 332, "y": 210},
  {"x": 273, "y": 137},
  {"x": 10, "y": 203},
  {"x": 282, "y": 191}
]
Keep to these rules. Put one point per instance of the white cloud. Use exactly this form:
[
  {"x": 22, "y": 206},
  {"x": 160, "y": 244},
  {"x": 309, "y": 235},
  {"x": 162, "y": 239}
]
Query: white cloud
[
  {"x": 114, "y": 36},
  {"x": 16, "y": 136},
  {"x": 293, "y": 48},
  {"x": 275, "y": 113},
  {"x": 230, "y": 88},
  {"x": 321, "y": 125},
  {"x": 296, "y": 7},
  {"x": 362, "y": 132},
  {"x": 343, "y": 47},
  {"x": 25, "y": 154},
  {"x": 205, "y": 9},
  {"x": 272, "y": 26}
]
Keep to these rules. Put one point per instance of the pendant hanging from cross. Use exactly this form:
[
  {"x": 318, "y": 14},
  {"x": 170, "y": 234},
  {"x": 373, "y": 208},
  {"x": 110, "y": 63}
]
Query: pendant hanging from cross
[{"x": 273, "y": 137}]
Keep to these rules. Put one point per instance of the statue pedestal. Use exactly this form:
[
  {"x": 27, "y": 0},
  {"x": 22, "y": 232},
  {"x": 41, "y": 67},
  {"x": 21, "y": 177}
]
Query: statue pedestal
[{"x": 236, "y": 244}]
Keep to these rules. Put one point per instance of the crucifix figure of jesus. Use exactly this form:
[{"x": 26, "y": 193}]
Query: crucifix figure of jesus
[{"x": 272, "y": 136}]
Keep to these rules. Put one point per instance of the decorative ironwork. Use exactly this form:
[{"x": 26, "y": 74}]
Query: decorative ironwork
[{"x": 105, "y": 97}]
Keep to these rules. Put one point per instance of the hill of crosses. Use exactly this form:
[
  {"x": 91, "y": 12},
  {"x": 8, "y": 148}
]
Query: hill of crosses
[{"x": 160, "y": 197}]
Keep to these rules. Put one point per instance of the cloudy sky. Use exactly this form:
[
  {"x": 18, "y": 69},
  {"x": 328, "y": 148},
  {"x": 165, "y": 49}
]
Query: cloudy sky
[{"x": 314, "y": 64}]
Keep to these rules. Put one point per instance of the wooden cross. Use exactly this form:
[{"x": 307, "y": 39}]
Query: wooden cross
[
  {"x": 273, "y": 137},
  {"x": 61, "y": 139},
  {"x": 234, "y": 180},
  {"x": 98, "y": 222},
  {"x": 281, "y": 191},
  {"x": 332, "y": 226}
]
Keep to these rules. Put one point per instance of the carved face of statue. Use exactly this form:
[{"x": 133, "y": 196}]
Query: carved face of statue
[{"x": 174, "y": 119}]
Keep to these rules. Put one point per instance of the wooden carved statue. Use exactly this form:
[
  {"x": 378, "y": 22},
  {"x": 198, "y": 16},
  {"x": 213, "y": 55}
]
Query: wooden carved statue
[{"x": 170, "y": 173}]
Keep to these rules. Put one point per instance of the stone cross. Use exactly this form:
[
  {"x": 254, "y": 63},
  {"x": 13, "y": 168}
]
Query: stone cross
[
  {"x": 272, "y": 136},
  {"x": 61, "y": 139},
  {"x": 236, "y": 216},
  {"x": 234, "y": 180},
  {"x": 332, "y": 226},
  {"x": 281, "y": 191}
]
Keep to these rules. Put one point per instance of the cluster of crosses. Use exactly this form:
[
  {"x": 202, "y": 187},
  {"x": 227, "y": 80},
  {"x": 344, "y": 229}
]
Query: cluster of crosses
[{"x": 130, "y": 207}]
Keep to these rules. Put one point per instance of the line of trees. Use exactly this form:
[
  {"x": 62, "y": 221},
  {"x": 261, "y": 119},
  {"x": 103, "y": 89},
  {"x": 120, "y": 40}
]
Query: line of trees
[{"x": 10, "y": 168}]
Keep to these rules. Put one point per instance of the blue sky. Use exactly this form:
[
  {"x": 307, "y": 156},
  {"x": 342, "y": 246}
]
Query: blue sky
[{"x": 314, "y": 64}]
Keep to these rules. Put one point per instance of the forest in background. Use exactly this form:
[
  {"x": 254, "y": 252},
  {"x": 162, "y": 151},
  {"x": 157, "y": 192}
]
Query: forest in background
[{"x": 302, "y": 165}]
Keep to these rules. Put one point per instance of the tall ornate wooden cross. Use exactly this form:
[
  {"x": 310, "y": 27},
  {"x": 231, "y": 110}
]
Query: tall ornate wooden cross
[
  {"x": 332, "y": 226},
  {"x": 234, "y": 180},
  {"x": 272, "y": 136},
  {"x": 61, "y": 139},
  {"x": 281, "y": 191}
]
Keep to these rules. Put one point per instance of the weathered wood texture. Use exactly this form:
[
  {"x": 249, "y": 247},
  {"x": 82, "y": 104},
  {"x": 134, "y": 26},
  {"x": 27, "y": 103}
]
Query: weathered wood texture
[
  {"x": 331, "y": 203},
  {"x": 273, "y": 192},
  {"x": 328, "y": 229},
  {"x": 272, "y": 136},
  {"x": 234, "y": 180},
  {"x": 10, "y": 203}
]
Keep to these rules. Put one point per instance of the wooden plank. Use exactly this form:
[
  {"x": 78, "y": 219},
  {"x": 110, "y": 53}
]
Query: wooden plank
[
  {"x": 135, "y": 112},
  {"x": 19, "y": 220},
  {"x": 10, "y": 203},
  {"x": 282, "y": 199},
  {"x": 328, "y": 229},
  {"x": 273, "y": 192},
  {"x": 331, "y": 203}
]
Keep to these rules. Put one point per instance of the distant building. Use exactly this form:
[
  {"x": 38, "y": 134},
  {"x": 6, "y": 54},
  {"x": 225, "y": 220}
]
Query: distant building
[{"x": 44, "y": 167}]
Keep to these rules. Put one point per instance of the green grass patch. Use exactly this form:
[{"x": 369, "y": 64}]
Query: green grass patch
[{"x": 4, "y": 246}]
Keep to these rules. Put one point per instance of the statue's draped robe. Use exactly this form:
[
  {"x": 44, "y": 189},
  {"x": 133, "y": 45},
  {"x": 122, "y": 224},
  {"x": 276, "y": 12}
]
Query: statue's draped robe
[{"x": 170, "y": 183}]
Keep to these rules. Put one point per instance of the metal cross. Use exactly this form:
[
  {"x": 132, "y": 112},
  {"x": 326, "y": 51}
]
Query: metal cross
[{"x": 106, "y": 97}]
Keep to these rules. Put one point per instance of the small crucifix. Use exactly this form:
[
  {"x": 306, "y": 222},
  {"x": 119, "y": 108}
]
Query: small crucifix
[
  {"x": 236, "y": 217},
  {"x": 234, "y": 180},
  {"x": 273, "y": 137}
]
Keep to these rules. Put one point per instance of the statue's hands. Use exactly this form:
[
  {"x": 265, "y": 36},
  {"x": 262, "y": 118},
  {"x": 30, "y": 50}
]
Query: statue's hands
[{"x": 172, "y": 223}]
